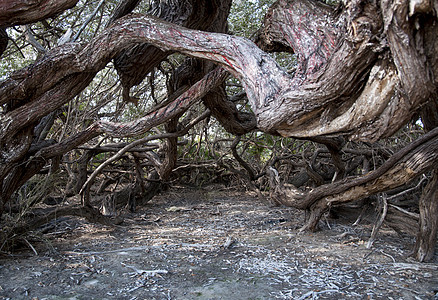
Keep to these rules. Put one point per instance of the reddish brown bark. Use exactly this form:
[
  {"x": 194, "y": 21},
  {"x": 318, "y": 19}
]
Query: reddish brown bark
[
  {"x": 276, "y": 98},
  {"x": 135, "y": 62},
  {"x": 310, "y": 31},
  {"x": 37, "y": 161},
  {"x": 17, "y": 12},
  {"x": 380, "y": 108},
  {"x": 62, "y": 73},
  {"x": 363, "y": 71},
  {"x": 3, "y": 40},
  {"x": 123, "y": 8}
]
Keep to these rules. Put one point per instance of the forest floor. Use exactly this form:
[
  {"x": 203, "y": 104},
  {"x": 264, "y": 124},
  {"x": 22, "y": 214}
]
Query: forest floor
[{"x": 215, "y": 243}]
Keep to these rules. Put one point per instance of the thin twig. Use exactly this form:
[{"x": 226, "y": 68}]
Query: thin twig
[
  {"x": 32, "y": 40},
  {"x": 386, "y": 254},
  {"x": 424, "y": 177},
  {"x": 88, "y": 21},
  {"x": 411, "y": 214},
  {"x": 108, "y": 251},
  {"x": 31, "y": 247},
  {"x": 125, "y": 149}
]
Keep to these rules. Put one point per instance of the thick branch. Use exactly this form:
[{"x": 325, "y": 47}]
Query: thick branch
[
  {"x": 137, "y": 127},
  {"x": 424, "y": 249},
  {"x": 309, "y": 30},
  {"x": 176, "y": 107},
  {"x": 276, "y": 98},
  {"x": 135, "y": 62},
  {"x": 413, "y": 160},
  {"x": 30, "y": 113},
  {"x": 3, "y": 40},
  {"x": 17, "y": 12},
  {"x": 123, "y": 8}
]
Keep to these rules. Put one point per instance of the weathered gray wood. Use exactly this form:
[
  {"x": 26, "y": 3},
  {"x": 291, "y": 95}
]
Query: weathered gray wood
[
  {"x": 424, "y": 249},
  {"x": 415, "y": 159},
  {"x": 363, "y": 72}
]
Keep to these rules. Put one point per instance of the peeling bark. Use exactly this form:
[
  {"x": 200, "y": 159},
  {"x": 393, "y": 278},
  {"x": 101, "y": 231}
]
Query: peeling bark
[
  {"x": 363, "y": 71},
  {"x": 277, "y": 98}
]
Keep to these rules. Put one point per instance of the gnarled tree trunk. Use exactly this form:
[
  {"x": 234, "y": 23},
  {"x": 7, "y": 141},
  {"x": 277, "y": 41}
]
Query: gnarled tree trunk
[{"x": 363, "y": 71}]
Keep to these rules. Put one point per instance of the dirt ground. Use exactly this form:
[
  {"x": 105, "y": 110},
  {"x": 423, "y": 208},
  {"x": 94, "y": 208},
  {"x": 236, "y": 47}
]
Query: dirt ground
[{"x": 215, "y": 244}]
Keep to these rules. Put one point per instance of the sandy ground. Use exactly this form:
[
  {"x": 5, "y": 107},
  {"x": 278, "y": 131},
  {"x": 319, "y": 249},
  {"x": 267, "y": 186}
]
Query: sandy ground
[{"x": 215, "y": 244}]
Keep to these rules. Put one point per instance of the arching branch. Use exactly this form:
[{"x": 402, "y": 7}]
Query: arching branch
[
  {"x": 142, "y": 125},
  {"x": 324, "y": 101},
  {"x": 16, "y": 12}
]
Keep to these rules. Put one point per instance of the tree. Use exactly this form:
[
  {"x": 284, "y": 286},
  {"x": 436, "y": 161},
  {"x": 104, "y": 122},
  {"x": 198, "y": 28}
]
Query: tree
[{"x": 364, "y": 70}]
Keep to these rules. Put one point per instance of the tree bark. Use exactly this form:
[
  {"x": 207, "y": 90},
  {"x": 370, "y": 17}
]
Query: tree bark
[
  {"x": 135, "y": 62},
  {"x": 3, "y": 40},
  {"x": 123, "y": 8},
  {"x": 176, "y": 107},
  {"x": 424, "y": 248},
  {"x": 43, "y": 87},
  {"x": 54, "y": 80},
  {"x": 275, "y": 97},
  {"x": 363, "y": 72},
  {"x": 17, "y": 12},
  {"x": 425, "y": 243}
]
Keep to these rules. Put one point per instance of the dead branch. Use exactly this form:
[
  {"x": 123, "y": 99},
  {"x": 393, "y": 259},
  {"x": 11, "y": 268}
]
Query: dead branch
[
  {"x": 408, "y": 163},
  {"x": 139, "y": 142}
]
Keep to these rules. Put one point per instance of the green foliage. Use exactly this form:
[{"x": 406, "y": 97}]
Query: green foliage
[{"x": 247, "y": 16}]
